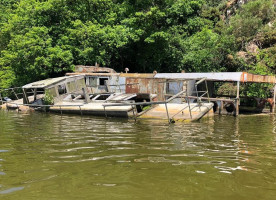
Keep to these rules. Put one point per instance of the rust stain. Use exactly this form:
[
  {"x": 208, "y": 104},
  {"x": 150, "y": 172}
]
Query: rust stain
[
  {"x": 146, "y": 85},
  {"x": 93, "y": 69},
  {"x": 253, "y": 78}
]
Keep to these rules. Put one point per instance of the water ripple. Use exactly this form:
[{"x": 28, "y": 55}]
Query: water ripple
[{"x": 52, "y": 150}]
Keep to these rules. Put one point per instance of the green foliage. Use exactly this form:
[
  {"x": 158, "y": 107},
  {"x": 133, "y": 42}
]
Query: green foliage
[
  {"x": 250, "y": 19},
  {"x": 146, "y": 108},
  {"x": 48, "y": 99},
  {"x": 227, "y": 89},
  {"x": 206, "y": 51},
  {"x": 46, "y": 38},
  {"x": 258, "y": 90}
]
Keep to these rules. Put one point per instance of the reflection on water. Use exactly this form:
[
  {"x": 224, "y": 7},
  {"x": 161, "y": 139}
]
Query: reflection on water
[{"x": 45, "y": 156}]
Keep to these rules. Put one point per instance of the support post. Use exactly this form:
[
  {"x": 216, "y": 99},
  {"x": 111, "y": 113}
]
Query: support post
[
  {"x": 105, "y": 112},
  {"x": 86, "y": 97},
  {"x": 221, "y": 107},
  {"x": 238, "y": 98},
  {"x": 25, "y": 98},
  {"x": 80, "y": 110},
  {"x": 188, "y": 101},
  {"x": 133, "y": 113},
  {"x": 274, "y": 98},
  {"x": 1, "y": 99},
  {"x": 167, "y": 113},
  {"x": 15, "y": 94},
  {"x": 206, "y": 85},
  {"x": 35, "y": 93}
]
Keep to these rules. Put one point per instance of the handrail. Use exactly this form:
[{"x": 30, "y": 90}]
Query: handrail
[
  {"x": 147, "y": 103},
  {"x": 165, "y": 102},
  {"x": 204, "y": 92},
  {"x": 175, "y": 96},
  {"x": 135, "y": 104},
  {"x": 200, "y": 81},
  {"x": 36, "y": 105}
]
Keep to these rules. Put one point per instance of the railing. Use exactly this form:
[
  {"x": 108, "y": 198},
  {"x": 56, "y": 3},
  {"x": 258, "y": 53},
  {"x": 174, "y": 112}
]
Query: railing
[
  {"x": 203, "y": 92},
  {"x": 46, "y": 106},
  {"x": 9, "y": 89},
  {"x": 18, "y": 95},
  {"x": 170, "y": 119}
]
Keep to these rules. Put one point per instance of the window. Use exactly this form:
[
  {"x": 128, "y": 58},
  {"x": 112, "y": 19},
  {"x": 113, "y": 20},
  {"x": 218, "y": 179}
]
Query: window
[
  {"x": 71, "y": 86},
  {"x": 102, "y": 81},
  {"x": 80, "y": 83},
  {"x": 174, "y": 87},
  {"x": 62, "y": 89},
  {"x": 51, "y": 91},
  {"x": 92, "y": 81}
]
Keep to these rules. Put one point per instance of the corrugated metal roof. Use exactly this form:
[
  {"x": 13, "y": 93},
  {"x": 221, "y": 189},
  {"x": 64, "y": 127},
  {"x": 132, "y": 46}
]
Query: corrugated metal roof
[
  {"x": 220, "y": 76},
  {"x": 47, "y": 82}
]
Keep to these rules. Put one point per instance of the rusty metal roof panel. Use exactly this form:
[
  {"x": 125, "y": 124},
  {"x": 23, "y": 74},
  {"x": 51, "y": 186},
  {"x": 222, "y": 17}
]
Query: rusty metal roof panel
[{"x": 258, "y": 78}]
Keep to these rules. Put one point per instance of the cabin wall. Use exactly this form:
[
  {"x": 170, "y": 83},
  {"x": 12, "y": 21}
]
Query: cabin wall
[
  {"x": 146, "y": 85},
  {"x": 101, "y": 84},
  {"x": 117, "y": 84},
  {"x": 72, "y": 85}
]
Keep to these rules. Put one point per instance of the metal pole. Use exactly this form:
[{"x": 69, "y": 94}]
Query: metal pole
[
  {"x": 15, "y": 93},
  {"x": 274, "y": 98},
  {"x": 207, "y": 91},
  {"x": 1, "y": 99},
  {"x": 198, "y": 101},
  {"x": 60, "y": 109},
  {"x": 167, "y": 113},
  {"x": 221, "y": 107},
  {"x": 105, "y": 112},
  {"x": 133, "y": 113},
  {"x": 238, "y": 98},
  {"x": 80, "y": 110},
  {"x": 188, "y": 101}
]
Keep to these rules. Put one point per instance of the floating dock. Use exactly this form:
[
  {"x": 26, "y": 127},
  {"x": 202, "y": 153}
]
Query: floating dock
[{"x": 178, "y": 112}]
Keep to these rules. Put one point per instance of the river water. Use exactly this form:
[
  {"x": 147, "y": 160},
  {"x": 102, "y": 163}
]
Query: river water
[{"x": 48, "y": 156}]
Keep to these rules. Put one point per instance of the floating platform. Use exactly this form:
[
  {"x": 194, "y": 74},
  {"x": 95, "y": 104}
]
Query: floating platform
[
  {"x": 178, "y": 112},
  {"x": 93, "y": 108}
]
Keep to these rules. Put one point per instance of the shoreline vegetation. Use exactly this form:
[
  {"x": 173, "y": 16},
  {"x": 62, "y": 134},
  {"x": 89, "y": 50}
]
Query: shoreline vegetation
[{"x": 47, "y": 38}]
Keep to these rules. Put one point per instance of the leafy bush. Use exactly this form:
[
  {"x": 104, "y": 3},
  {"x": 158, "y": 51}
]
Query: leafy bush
[
  {"x": 227, "y": 89},
  {"x": 48, "y": 99}
]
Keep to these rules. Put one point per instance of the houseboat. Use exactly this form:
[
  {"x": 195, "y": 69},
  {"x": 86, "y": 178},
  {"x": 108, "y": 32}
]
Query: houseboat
[{"x": 108, "y": 95}]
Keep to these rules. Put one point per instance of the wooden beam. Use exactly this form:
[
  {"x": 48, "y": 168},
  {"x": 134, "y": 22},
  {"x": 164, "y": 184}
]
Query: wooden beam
[
  {"x": 25, "y": 98},
  {"x": 35, "y": 93}
]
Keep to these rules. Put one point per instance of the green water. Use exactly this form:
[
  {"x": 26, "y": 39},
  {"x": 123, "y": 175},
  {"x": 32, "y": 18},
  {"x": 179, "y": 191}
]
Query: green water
[{"x": 47, "y": 156}]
